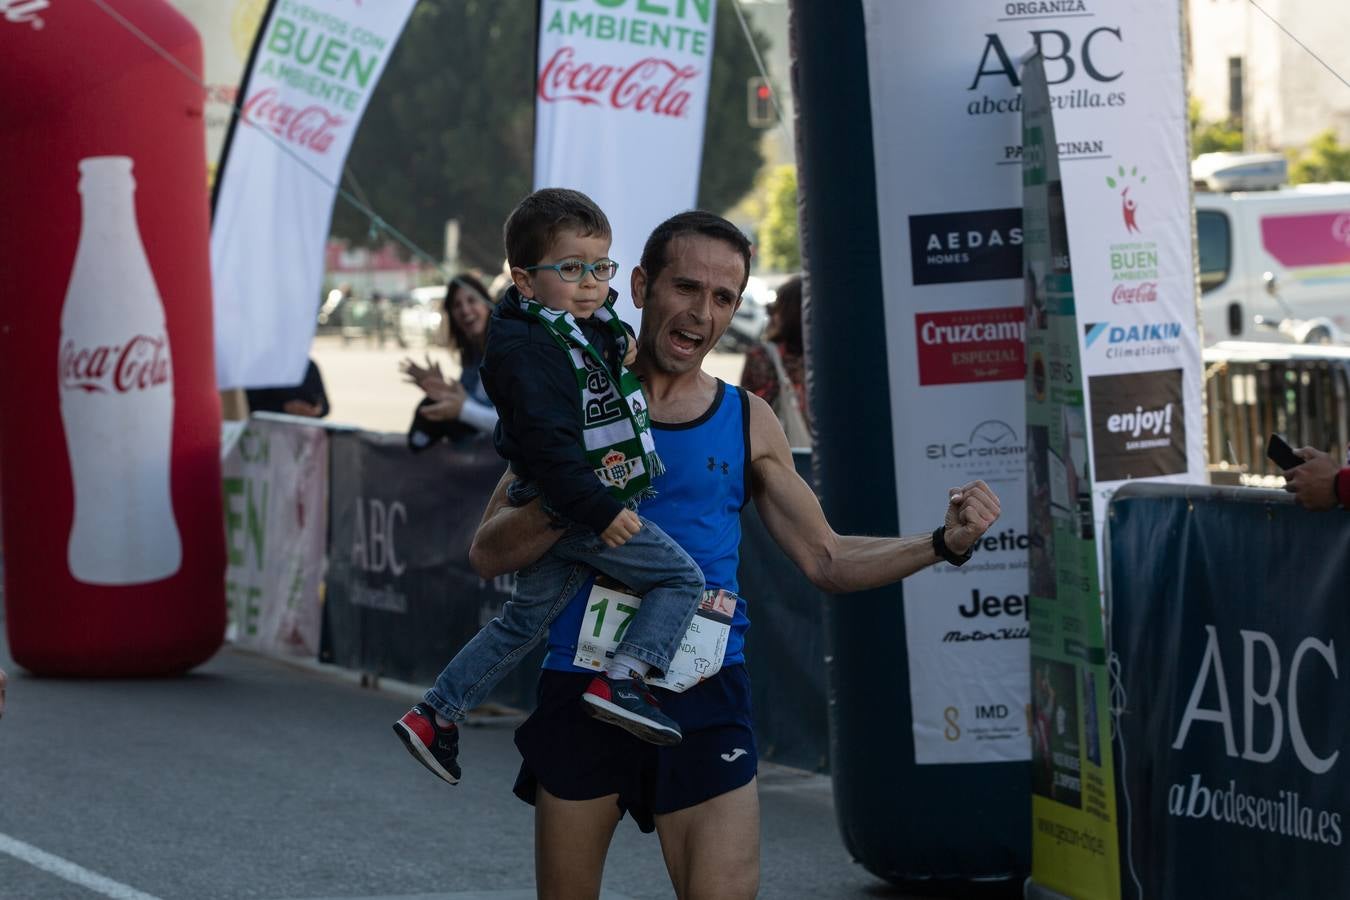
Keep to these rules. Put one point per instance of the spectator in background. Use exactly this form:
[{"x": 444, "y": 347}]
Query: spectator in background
[
  {"x": 308, "y": 398},
  {"x": 1319, "y": 483},
  {"x": 381, "y": 319},
  {"x": 775, "y": 368},
  {"x": 455, "y": 409}
]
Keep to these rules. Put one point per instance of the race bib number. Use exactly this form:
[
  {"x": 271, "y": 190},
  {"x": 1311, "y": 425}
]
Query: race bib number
[{"x": 609, "y": 612}]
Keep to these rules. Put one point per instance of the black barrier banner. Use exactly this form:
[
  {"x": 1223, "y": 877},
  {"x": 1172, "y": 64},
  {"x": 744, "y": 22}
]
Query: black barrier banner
[
  {"x": 1229, "y": 634},
  {"x": 401, "y": 597}
]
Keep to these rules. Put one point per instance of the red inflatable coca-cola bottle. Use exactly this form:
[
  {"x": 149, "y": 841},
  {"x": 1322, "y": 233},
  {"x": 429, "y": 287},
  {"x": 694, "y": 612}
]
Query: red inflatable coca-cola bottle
[{"x": 109, "y": 418}]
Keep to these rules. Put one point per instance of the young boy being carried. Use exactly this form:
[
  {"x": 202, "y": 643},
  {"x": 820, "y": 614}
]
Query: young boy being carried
[{"x": 574, "y": 426}]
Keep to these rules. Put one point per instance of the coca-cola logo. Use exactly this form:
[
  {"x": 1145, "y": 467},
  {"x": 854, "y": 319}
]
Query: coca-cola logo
[
  {"x": 311, "y": 127},
  {"x": 20, "y": 11},
  {"x": 139, "y": 364},
  {"x": 1143, "y": 292},
  {"x": 652, "y": 85}
]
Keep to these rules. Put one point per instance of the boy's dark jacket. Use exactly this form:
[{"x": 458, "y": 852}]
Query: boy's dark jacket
[{"x": 533, "y": 385}]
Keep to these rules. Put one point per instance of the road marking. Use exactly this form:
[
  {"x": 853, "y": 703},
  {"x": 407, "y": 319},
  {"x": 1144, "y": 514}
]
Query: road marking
[{"x": 62, "y": 868}]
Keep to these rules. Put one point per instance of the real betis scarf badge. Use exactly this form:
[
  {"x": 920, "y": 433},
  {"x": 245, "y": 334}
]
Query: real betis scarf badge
[{"x": 616, "y": 427}]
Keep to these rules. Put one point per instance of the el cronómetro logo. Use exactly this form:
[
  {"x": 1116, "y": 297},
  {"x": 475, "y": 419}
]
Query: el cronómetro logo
[
  {"x": 977, "y": 245},
  {"x": 971, "y": 345},
  {"x": 992, "y": 450},
  {"x": 1138, "y": 425}
]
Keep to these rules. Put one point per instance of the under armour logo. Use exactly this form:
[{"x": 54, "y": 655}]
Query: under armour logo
[
  {"x": 734, "y": 754},
  {"x": 713, "y": 464}
]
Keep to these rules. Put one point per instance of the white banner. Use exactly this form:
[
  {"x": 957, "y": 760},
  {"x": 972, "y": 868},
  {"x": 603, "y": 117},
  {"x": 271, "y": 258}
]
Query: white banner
[
  {"x": 276, "y": 523},
  {"x": 316, "y": 65},
  {"x": 946, "y": 125},
  {"x": 620, "y": 103}
]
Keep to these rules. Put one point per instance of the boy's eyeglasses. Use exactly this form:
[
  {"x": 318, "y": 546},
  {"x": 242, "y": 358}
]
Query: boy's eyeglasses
[{"x": 573, "y": 270}]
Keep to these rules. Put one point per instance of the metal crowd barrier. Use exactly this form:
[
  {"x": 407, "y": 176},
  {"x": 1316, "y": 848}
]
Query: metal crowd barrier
[{"x": 1252, "y": 390}]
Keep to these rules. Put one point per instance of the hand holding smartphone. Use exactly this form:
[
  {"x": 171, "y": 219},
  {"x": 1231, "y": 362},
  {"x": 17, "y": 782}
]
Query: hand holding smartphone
[{"x": 1280, "y": 453}]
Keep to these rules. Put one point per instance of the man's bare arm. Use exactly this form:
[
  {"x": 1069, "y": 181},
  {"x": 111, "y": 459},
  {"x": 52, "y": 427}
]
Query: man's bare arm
[
  {"x": 510, "y": 537},
  {"x": 843, "y": 563}
]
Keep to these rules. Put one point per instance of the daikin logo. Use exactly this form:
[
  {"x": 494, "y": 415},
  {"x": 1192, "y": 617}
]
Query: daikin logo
[{"x": 1133, "y": 341}]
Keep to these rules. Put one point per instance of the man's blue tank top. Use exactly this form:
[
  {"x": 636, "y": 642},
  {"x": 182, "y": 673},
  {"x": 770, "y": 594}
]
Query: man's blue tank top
[{"x": 698, "y": 503}]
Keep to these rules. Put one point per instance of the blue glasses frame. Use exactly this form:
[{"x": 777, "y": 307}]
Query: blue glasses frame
[{"x": 582, "y": 268}]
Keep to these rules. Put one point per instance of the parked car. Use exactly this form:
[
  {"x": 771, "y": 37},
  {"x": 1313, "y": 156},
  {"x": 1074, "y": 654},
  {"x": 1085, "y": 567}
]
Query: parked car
[
  {"x": 420, "y": 315},
  {"x": 1274, "y": 261},
  {"x": 747, "y": 326}
]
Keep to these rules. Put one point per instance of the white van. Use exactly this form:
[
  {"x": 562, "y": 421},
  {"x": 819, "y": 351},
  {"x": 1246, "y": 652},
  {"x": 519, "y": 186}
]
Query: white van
[{"x": 1274, "y": 264}]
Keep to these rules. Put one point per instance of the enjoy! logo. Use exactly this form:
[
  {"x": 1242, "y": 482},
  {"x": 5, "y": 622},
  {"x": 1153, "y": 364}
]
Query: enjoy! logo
[{"x": 1129, "y": 206}]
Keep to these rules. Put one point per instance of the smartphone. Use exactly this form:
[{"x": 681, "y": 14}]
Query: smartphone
[{"x": 1282, "y": 454}]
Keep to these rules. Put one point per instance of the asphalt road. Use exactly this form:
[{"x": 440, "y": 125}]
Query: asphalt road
[{"x": 257, "y": 778}]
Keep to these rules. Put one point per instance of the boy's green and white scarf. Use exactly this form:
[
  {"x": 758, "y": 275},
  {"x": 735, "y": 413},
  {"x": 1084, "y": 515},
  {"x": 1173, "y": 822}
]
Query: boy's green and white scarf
[{"x": 616, "y": 427}]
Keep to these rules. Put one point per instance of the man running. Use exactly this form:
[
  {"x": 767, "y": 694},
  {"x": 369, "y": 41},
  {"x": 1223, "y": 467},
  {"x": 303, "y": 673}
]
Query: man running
[{"x": 723, "y": 448}]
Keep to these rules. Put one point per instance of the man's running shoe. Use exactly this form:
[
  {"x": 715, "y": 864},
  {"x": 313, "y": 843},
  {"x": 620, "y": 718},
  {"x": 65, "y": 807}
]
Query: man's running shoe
[
  {"x": 436, "y": 748},
  {"x": 628, "y": 703}
]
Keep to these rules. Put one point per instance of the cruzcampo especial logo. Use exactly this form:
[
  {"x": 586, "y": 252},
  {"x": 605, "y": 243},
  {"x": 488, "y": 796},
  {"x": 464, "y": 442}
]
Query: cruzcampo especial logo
[{"x": 1129, "y": 206}]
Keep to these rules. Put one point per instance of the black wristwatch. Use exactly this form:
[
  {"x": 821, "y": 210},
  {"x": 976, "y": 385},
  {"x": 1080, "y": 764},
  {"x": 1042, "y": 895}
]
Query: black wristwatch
[{"x": 943, "y": 551}]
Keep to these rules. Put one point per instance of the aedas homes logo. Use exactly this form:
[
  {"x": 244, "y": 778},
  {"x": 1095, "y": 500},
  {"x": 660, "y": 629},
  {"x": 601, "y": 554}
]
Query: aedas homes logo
[{"x": 1129, "y": 206}]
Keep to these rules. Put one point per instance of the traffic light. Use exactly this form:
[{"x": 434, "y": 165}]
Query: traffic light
[{"x": 759, "y": 109}]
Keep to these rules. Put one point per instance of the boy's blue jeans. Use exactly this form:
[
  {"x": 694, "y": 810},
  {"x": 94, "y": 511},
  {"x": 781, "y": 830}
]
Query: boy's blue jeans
[{"x": 653, "y": 565}]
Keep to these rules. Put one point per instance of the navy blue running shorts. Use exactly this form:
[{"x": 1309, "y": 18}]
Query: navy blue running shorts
[{"x": 576, "y": 757}]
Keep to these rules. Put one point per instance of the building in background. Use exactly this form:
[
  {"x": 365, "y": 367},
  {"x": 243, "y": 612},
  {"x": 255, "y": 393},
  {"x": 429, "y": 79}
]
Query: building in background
[
  {"x": 1245, "y": 70},
  {"x": 370, "y": 270}
]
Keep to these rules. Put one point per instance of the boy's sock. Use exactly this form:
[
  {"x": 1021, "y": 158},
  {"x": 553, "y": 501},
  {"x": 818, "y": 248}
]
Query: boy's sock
[
  {"x": 625, "y": 666},
  {"x": 442, "y": 722}
]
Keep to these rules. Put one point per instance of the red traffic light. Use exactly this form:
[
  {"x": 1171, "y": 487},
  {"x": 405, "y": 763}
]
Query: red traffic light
[{"x": 759, "y": 98}]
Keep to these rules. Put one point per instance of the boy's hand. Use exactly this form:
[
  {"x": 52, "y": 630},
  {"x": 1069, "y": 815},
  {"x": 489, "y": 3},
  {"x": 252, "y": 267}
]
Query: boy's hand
[
  {"x": 625, "y": 525},
  {"x": 631, "y": 353}
]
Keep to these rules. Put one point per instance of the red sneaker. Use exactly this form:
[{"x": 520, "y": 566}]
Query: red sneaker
[
  {"x": 628, "y": 703},
  {"x": 436, "y": 748}
]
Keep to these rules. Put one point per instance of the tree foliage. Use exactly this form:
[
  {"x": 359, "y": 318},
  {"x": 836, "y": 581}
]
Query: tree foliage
[
  {"x": 1210, "y": 137},
  {"x": 449, "y": 132},
  {"x": 779, "y": 243},
  {"x": 1324, "y": 159},
  {"x": 731, "y": 154}
]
